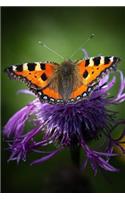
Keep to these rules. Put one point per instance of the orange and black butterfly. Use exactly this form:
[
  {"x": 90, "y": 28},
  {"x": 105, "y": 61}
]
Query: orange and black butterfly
[{"x": 67, "y": 82}]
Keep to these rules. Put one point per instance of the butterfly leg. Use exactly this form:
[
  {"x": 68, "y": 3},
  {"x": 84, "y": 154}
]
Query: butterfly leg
[{"x": 85, "y": 54}]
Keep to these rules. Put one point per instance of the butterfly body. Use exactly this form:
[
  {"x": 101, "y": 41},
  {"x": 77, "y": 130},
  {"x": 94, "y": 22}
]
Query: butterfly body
[
  {"x": 68, "y": 82},
  {"x": 66, "y": 74}
]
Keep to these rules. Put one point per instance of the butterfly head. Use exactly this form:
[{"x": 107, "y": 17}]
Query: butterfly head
[{"x": 67, "y": 66}]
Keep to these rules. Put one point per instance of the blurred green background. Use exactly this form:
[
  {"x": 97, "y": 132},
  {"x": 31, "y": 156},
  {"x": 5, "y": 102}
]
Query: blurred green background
[{"x": 64, "y": 29}]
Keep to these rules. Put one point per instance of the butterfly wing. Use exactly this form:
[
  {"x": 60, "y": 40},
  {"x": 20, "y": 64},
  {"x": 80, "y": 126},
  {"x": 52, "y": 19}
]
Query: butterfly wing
[
  {"x": 38, "y": 76},
  {"x": 43, "y": 78},
  {"x": 90, "y": 71}
]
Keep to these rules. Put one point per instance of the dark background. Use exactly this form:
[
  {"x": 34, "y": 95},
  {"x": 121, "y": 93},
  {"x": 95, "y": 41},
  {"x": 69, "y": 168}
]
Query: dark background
[{"x": 64, "y": 29}]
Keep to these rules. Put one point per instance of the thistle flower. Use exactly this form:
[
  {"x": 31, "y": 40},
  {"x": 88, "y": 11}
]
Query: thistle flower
[{"x": 69, "y": 125}]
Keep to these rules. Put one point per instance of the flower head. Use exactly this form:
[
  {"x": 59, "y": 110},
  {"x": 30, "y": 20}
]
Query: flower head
[{"x": 69, "y": 125}]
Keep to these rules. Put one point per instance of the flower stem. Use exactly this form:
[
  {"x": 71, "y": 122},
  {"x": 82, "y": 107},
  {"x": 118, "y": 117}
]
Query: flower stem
[{"x": 75, "y": 155}]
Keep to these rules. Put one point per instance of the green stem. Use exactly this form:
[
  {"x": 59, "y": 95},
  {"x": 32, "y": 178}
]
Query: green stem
[{"x": 75, "y": 155}]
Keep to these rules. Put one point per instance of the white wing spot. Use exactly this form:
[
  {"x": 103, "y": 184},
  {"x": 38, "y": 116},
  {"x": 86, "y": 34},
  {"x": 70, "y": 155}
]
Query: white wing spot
[
  {"x": 25, "y": 66},
  {"x": 14, "y": 68},
  {"x": 84, "y": 95},
  {"x": 51, "y": 99},
  {"x": 111, "y": 59},
  {"x": 78, "y": 98},
  {"x": 102, "y": 60},
  {"x": 91, "y": 62},
  {"x": 45, "y": 98},
  {"x": 37, "y": 67}
]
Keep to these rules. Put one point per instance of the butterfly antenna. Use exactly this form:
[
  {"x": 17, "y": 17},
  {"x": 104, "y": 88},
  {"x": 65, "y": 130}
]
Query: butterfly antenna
[
  {"x": 83, "y": 45},
  {"x": 53, "y": 51}
]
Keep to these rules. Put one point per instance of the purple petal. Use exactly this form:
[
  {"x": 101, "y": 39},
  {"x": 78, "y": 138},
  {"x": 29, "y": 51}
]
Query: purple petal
[
  {"x": 105, "y": 153},
  {"x": 43, "y": 159},
  {"x": 25, "y": 91},
  {"x": 16, "y": 123},
  {"x": 96, "y": 159},
  {"x": 108, "y": 86},
  {"x": 86, "y": 55},
  {"x": 20, "y": 147},
  {"x": 122, "y": 85},
  {"x": 31, "y": 134},
  {"x": 105, "y": 165},
  {"x": 104, "y": 80},
  {"x": 42, "y": 143},
  {"x": 121, "y": 94},
  {"x": 104, "y": 89}
]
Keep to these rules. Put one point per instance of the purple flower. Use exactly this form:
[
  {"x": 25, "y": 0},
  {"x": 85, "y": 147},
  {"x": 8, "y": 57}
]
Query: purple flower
[{"x": 69, "y": 125}]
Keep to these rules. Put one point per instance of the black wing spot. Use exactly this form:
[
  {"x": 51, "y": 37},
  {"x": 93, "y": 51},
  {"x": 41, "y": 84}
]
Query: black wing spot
[
  {"x": 19, "y": 68},
  {"x": 86, "y": 63},
  {"x": 96, "y": 60},
  {"x": 44, "y": 77},
  {"x": 85, "y": 74},
  {"x": 92, "y": 72},
  {"x": 9, "y": 69},
  {"x": 31, "y": 66},
  {"x": 107, "y": 60},
  {"x": 42, "y": 66},
  {"x": 115, "y": 60}
]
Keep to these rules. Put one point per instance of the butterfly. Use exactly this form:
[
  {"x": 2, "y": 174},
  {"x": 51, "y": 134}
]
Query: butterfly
[{"x": 68, "y": 82}]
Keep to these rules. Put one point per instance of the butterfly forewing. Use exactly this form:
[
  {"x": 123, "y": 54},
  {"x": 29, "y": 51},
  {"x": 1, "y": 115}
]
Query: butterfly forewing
[
  {"x": 91, "y": 70},
  {"x": 37, "y": 75}
]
